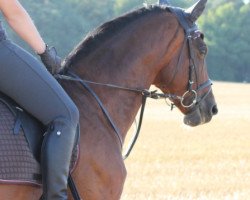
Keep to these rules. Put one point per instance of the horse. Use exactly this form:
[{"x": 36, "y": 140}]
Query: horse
[{"x": 153, "y": 45}]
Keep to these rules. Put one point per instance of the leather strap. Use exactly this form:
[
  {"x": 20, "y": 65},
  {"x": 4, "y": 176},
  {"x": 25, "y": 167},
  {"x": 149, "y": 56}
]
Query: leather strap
[
  {"x": 73, "y": 188},
  {"x": 126, "y": 155}
]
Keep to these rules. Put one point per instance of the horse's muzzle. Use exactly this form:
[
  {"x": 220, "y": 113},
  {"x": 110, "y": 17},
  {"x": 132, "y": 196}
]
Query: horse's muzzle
[{"x": 202, "y": 114}]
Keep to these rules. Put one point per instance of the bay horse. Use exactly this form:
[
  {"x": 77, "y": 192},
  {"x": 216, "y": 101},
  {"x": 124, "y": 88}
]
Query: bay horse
[{"x": 153, "y": 45}]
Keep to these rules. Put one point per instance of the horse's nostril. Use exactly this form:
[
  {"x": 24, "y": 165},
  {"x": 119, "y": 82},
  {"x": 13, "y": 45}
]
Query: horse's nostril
[{"x": 214, "y": 110}]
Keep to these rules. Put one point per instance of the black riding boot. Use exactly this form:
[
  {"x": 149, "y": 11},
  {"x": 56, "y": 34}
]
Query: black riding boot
[{"x": 55, "y": 159}]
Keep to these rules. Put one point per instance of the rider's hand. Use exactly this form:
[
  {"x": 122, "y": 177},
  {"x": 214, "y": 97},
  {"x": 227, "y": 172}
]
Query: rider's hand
[{"x": 51, "y": 60}]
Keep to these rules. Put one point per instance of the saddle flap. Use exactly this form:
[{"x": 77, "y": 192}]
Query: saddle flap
[{"x": 32, "y": 128}]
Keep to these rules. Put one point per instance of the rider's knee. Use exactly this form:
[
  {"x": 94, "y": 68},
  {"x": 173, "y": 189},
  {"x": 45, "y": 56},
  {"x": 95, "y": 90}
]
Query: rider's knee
[{"x": 67, "y": 119}]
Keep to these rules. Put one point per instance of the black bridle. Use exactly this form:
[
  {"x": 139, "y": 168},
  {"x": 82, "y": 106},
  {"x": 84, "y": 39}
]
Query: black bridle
[
  {"x": 193, "y": 71},
  {"x": 190, "y": 34}
]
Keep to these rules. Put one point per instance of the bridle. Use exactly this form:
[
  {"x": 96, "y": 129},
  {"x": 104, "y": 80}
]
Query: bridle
[
  {"x": 191, "y": 32},
  {"x": 193, "y": 70},
  {"x": 189, "y": 35}
]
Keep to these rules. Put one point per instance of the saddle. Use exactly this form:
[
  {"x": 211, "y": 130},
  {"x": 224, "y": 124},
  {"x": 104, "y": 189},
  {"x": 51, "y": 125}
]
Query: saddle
[{"x": 21, "y": 137}]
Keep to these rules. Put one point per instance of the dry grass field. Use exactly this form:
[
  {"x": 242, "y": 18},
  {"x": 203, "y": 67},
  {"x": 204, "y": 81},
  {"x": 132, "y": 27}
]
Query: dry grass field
[{"x": 171, "y": 161}]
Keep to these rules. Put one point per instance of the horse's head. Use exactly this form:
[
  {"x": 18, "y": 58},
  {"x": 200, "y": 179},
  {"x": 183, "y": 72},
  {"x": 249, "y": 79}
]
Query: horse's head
[{"x": 185, "y": 77}]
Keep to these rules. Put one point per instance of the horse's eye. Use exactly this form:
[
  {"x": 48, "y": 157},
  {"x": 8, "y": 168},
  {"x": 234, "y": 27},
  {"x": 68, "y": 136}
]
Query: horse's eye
[
  {"x": 203, "y": 49},
  {"x": 202, "y": 36}
]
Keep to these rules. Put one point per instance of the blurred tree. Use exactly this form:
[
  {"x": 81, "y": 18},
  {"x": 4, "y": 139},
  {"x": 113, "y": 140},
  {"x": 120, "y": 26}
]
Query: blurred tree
[
  {"x": 227, "y": 30},
  {"x": 64, "y": 23},
  {"x": 225, "y": 23},
  {"x": 122, "y": 6}
]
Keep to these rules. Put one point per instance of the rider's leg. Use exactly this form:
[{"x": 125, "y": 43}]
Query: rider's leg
[{"x": 25, "y": 79}]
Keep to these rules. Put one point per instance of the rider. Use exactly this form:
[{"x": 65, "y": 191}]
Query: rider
[{"x": 26, "y": 80}]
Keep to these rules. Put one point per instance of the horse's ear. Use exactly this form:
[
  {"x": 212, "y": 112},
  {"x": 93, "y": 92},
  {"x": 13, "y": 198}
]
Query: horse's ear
[{"x": 194, "y": 12}]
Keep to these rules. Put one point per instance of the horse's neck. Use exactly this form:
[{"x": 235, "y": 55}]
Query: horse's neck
[{"x": 129, "y": 59}]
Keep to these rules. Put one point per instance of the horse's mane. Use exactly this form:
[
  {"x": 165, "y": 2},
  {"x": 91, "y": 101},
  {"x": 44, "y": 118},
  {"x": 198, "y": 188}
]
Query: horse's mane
[{"x": 105, "y": 31}]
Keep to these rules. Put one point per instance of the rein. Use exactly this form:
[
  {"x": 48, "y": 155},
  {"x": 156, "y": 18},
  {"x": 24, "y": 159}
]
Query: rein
[
  {"x": 71, "y": 76},
  {"x": 145, "y": 93}
]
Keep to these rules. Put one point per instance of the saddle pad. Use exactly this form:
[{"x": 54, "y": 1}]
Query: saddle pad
[{"x": 17, "y": 163}]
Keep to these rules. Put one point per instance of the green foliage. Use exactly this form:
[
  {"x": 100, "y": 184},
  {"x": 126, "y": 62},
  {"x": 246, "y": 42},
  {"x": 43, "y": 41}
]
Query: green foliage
[
  {"x": 227, "y": 28},
  {"x": 225, "y": 23}
]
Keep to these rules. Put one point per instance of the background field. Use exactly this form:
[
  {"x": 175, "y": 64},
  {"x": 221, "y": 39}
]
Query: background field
[{"x": 174, "y": 162}]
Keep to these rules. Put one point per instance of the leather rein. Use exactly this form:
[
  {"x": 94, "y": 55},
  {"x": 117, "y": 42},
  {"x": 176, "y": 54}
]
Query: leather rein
[
  {"x": 71, "y": 76},
  {"x": 145, "y": 93}
]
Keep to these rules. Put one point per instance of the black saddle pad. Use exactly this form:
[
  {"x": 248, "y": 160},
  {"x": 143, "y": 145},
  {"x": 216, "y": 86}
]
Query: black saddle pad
[{"x": 20, "y": 143}]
